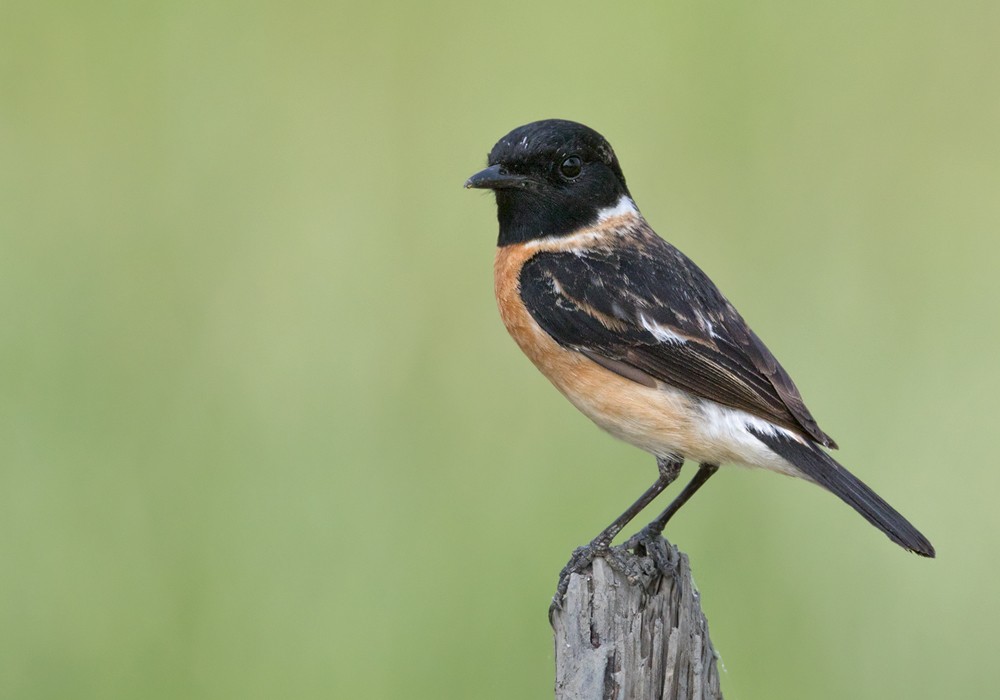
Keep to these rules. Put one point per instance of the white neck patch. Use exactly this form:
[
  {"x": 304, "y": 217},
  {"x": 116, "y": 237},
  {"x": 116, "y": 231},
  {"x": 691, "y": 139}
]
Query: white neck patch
[{"x": 624, "y": 207}]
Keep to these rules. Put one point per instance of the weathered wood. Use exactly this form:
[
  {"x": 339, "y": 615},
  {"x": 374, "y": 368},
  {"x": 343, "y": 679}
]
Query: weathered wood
[{"x": 640, "y": 636}]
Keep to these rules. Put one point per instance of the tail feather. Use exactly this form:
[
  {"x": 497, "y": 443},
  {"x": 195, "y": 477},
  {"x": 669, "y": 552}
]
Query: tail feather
[{"x": 819, "y": 467}]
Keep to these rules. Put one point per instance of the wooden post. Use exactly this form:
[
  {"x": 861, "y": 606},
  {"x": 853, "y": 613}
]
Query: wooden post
[{"x": 630, "y": 632}]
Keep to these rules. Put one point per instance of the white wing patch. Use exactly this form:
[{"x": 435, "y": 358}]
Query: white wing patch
[
  {"x": 664, "y": 334},
  {"x": 705, "y": 324}
]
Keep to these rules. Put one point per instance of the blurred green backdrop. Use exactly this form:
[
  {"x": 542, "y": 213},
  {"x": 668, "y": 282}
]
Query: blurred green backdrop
[{"x": 263, "y": 434}]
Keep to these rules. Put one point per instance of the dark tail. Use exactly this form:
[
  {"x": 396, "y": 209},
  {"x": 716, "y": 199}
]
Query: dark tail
[{"x": 820, "y": 467}]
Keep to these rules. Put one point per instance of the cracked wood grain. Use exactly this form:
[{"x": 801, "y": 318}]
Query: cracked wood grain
[{"x": 628, "y": 632}]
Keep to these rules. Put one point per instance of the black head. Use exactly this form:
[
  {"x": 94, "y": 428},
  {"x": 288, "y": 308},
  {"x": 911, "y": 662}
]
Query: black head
[{"x": 550, "y": 178}]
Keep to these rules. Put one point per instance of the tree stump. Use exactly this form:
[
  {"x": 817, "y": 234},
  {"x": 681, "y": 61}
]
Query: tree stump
[{"x": 628, "y": 631}]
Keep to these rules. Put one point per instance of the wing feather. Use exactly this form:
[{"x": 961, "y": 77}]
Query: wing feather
[{"x": 644, "y": 310}]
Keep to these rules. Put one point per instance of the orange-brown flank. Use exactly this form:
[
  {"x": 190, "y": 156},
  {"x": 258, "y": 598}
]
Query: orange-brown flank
[{"x": 656, "y": 419}]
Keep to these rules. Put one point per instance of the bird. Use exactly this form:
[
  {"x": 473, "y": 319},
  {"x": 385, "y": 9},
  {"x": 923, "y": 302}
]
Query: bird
[{"x": 638, "y": 338}]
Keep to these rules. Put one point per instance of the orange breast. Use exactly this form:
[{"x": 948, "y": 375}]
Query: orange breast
[{"x": 656, "y": 419}]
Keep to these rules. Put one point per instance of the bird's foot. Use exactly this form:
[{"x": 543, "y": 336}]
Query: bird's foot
[
  {"x": 642, "y": 559},
  {"x": 579, "y": 562},
  {"x": 650, "y": 543}
]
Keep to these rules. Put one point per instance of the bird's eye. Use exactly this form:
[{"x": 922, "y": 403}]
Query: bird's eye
[{"x": 571, "y": 167}]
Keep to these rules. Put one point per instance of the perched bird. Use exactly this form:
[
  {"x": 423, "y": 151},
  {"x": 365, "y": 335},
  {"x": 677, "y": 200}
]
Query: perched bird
[{"x": 637, "y": 337}]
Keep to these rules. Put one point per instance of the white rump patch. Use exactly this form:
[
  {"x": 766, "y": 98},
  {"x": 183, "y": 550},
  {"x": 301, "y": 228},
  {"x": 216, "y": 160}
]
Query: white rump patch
[{"x": 727, "y": 430}]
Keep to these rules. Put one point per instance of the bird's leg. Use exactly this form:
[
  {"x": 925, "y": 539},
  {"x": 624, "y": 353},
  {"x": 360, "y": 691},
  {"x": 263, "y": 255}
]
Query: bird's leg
[
  {"x": 649, "y": 537},
  {"x": 583, "y": 556}
]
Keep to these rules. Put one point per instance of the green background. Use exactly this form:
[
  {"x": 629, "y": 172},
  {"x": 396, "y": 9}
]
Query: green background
[{"x": 262, "y": 434}]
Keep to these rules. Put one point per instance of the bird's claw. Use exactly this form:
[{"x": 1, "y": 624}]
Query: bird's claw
[
  {"x": 579, "y": 561},
  {"x": 644, "y": 557},
  {"x": 650, "y": 543}
]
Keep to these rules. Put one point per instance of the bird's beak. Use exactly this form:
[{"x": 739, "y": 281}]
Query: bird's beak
[{"x": 495, "y": 178}]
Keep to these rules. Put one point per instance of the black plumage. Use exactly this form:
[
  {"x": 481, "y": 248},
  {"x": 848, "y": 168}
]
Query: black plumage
[
  {"x": 822, "y": 469},
  {"x": 703, "y": 346},
  {"x": 588, "y": 289}
]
